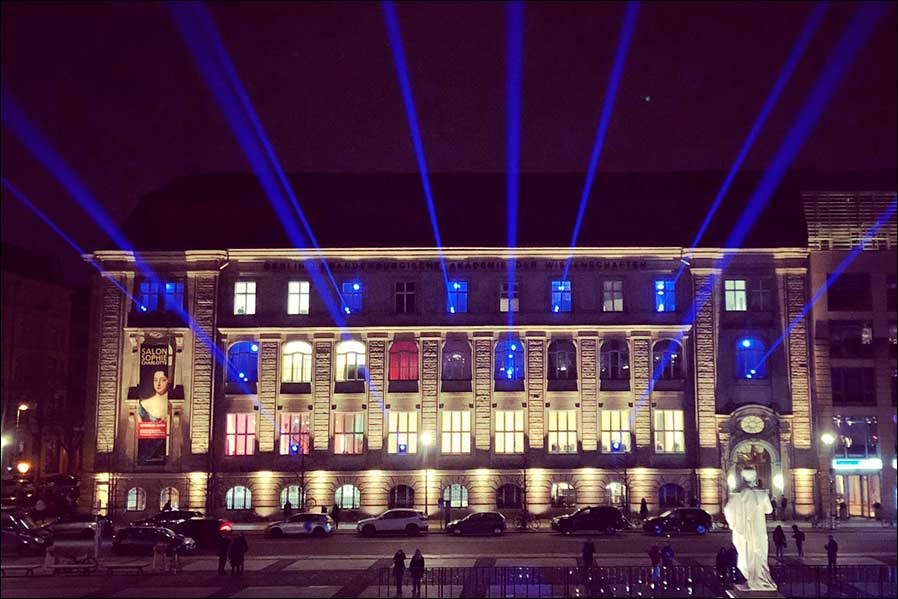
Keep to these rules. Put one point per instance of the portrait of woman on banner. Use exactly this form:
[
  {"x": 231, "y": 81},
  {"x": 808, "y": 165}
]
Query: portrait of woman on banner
[{"x": 152, "y": 410}]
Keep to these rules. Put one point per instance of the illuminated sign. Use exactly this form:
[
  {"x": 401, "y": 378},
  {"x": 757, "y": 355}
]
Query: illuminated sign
[{"x": 857, "y": 464}]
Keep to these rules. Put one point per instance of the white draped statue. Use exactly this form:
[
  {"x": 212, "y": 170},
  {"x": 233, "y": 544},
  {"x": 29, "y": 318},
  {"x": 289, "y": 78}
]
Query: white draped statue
[{"x": 746, "y": 513}]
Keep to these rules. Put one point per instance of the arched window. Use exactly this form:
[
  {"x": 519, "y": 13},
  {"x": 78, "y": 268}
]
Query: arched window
[
  {"x": 509, "y": 360},
  {"x": 668, "y": 357},
  {"x": 294, "y": 494},
  {"x": 297, "y": 364},
  {"x": 562, "y": 360},
  {"x": 616, "y": 494},
  {"x": 510, "y": 497},
  {"x": 137, "y": 500},
  {"x": 402, "y": 496},
  {"x": 238, "y": 498},
  {"x": 563, "y": 494},
  {"x": 456, "y": 361},
  {"x": 348, "y": 497},
  {"x": 351, "y": 361},
  {"x": 171, "y": 496},
  {"x": 750, "y": 362},
  {"x": 456, "y": 495},
  {"x": 243, "y": 362},
  {"x": 404, "y": 361},
  {"x": 671, "y": 495},
  {"x": 615, "y": 360}
]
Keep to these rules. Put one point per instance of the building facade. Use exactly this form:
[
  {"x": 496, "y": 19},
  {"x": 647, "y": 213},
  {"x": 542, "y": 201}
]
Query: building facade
[{"x": 645, "y": 373}]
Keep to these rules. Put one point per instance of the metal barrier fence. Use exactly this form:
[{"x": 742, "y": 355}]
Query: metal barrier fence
[{"x": 636, "y": 581}]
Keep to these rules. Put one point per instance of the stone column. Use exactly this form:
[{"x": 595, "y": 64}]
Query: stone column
[
  {"x": 795, "y": 298},
  {"x": 640, "y": 357},
  {"x": 269, "y": 376},
  {"x": 203, "y": 313},
  {"x": 321, "y": 391},
  {"x": 376, "y": 359},
  {"x": 430, "y": 351},
  {"x": 109, "y": 381},
  {"x": 706, "y": 284},
  {"x": 589, "y": 393},
  {"x": 536, "y": 374},
  {"x": 483, "y": 392}
]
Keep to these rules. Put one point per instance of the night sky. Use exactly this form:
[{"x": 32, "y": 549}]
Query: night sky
[{"x": 115, "y": 90}]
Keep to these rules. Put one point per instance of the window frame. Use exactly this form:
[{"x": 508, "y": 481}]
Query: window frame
[
  {"x": 290, "y": 431},
  {"x": 245, "y": 497},
  {"x": 236, "y": 365},
  {"x": 340, "y": 497},
  {"x": 559, "y": 431},
  {"x": 509, "y": 296},
  {"x": 351, "y": 295},
  {"x": 735, "y": 296},
  {"x": 516, "y": 361},
  {"x": 235, "y": 439},
  {"x": 760, "y": 295},
  {"x": 514, "y": 435},
  {"x": 136, "y": 500},
  {"x": 298, "y": 299},
  {"x": 610, "y": 356},
  {"x": 289, "y": 359},
  {"x": 245, "y": 298},
  {"x": 612, "y": 295},
  {"x": 403, "y": 356},
  {"x": 351, "y": 441},
  {"x": 404, "y": 294},
  {"x": 669, "y": 431},
  {"x": 747, "y": 355},
  {"x": 457, "y": 296},
  {"x": 350, "y": 370},
  {"x": 451, "y": 347},
  {"x": 561, "y": 296},
  {"x": 665, "y": 295},
  {"x": 449, "y": 495},
  {"x": 674, "y": 369},
  {"x": 554, "y": 366},
  {"x": 616, "y": 427},
  {"x": 516, "y": 500},
  {"x": 559, "y": 499},
  {"x": 455, "y": 432},
  {"x": 402, "y": 429}
]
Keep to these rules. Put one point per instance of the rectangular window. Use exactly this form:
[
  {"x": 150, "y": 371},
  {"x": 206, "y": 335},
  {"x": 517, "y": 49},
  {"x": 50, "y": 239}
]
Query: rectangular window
[
  {"x": 156, "y": 296},
  {"x": 352, "y": 297},
  {"x": 403, "y": 432},
  {"x": 241, "y": 434},
  {"x": 562, "y": 431},
  {"x": 508, "y": 297},
  {"x": 761, "y": 295},
  {"x": 509, "y": 431},
  {"x": 613, "y": 295},
  {"x": 405, "y": 298},
  {"x": 669, "y": 431},
  {"x": 294, "y": 430},
  {"x": 456, "y": 432},
  {"x": 349, "y": 432},
  {"x": 850, "y": 291},
  {"x": 298, "y": 297},
  {"x": 458, "y": 297},
  {"x": 350, "y": 366},
  {"x": 858, "y": 436},
  {"x": 734, "y": 295},
  {"x": 561, "y": 296},
  {"x": 850, "y": 339},
  {"x": 615, "y": 431},
  {"x": 853, "y": 387},
  {"x": 245, "y": 297},
  {"x": 665, "y": 296}
]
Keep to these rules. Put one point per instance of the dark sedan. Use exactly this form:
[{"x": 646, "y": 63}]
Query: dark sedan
[
  {"x": 679, "y": 520},
  {"x": 82, "y": 525},
  {"x": 207, "y": 532},
  {"x": 481, "y": 523},
  {"x": 168, "y": 518},
  {"x": 605, "y": 519},
  {"x": 140, "y": 540}
]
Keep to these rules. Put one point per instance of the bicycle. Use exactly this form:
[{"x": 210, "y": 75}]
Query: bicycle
[{"x": 528, "y": 521}]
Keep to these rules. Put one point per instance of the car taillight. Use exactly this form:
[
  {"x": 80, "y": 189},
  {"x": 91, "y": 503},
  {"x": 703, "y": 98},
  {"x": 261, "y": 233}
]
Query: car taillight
[{"x": 225, "y": 527}]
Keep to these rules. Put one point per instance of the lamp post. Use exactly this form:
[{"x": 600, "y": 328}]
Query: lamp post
[
  {"x": 426, "y": 442},
  {"x": 23, "y": 407},
  {"x": 829, "y": 440}
]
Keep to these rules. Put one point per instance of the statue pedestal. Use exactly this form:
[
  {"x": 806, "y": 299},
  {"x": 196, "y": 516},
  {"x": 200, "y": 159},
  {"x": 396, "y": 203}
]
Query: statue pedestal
[{"x": 753, "y": 594}]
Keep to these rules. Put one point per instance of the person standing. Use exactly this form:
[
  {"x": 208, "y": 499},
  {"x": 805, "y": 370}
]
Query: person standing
[
  {"x": 588, "y": 552},
  {"x": 399, "y": 570},
  {"x": 224, "y": 547},
  {"x": 288, "y": 509},
  {"x": 798, "y": 535},
  {"x": 773, "y": 505},
  {"x": 784, "y": 503},
  {"x": 416, "y": 569},
  {"x": 655, "y": 558},
  {"x": 167, "y": 506},
  {"x": 643, "y": 510},
  {"x": 238, "y": 550},
  {"x": 779, "y": 541},
  {"x": 832, "y": 552},
  {"x": 667, "y": 562},
  {"x": 335, "y": 514}
]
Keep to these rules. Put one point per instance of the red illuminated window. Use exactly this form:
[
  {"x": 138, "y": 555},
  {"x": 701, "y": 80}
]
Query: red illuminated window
[{"x": 404, "y": 361}]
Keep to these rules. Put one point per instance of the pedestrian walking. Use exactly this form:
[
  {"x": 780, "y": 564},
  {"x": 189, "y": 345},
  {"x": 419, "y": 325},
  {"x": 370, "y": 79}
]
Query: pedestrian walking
[
  {"x": 588, "y": 552},
  {"x": 399, "y": 570},
  {"x": 667, "y": 562},
  {"x": 798, "y": 535},
  {"x": 773, "y": 505},
  {"x": 784, "y": 503},
  {"x": 832, "y": 552},
  {"x": 416, "y": 569},
  {"x": 224, "y": 547},
  {"x": 779, "y": 541},
  {"x": 288, "y": 509},
  {"x": 655, "y": 558},
  {"x": 335, "y": 514},
  {"x": 643, "y": 510},
  {"x": 236, "y": 553}
]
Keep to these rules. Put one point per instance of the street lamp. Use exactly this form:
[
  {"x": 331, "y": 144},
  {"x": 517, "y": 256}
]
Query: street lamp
[
  {"x": 23, "y": 468},
  {"x": 426, "y": 442},
  {"x": 829, "y": 439}
]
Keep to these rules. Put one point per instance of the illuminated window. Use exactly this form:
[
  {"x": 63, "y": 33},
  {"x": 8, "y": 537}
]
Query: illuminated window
[
  {"x": 294, "y": 494},
  {"x": 562, "y": 361},
  {"x": 750, "y": 359},
  {"x": 238, "y": 498},
  {"x": 509, "y": 360},
  {"x": 563, "y": 494},
  {"x": 352, "y": 297},
  {"x": 665, "y": 296},
  {"x": 509, "y": 431},
  {"x": 294, "y": 433},
  {"x": 615, "y": 431},
  {"x": 240, "y": 437},
  {"x": 137, "y": 500},
  {"x": 615, "y": 360},
  {"x": 245, "y": 297},
  {"x": 669, "y": 431},
  {"x": 402, "y": 496},
  {"x": 170, "y": 496},
  {"x": 348, "y": 497},
  {"x": 350, "y": 361},
  {"x": 243, "y": 362},
  {"x": 561, "y": 296},
  {"x": 562, "y": 431},
  {"x": 405, "y": 297},
  {"x": 456, "y": 361},
  {"x": 403, "y": 432},
  {"x": 734, "y": 295},
  {"x": 298, "y": 297},
  {"x": 761, "y": 295},
  {"x": 508, "y": 297},
  {"x": 613, "y": 295},
  {"x": 297, "y": 362},
  {"x": 858, "y": 436},
  {"x": 667, "y": 356},
  {"x": 156, "y": 296},
  {"x": 510, "y": 496},
  {"x": 456, "y": 495},
  {"x": 456, "y": 436},
  {"x": 850, "y": 339},
  {"x": 671, "y": 495},
  {"x": 616, "y": 492},
  {"x": 404, "y": 361},
  {"x": 458, "y": 297},
  {"x": 349, "y": 433}
]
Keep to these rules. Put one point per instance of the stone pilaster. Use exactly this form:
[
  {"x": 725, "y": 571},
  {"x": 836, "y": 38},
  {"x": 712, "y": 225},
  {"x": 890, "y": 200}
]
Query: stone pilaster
[
  {"x": 797, "y": 348},
  {"x": 203, "y": 313},
  {"x": 588, "y": 393},
  {"x": 536, "y": 350},
  {"x": 321, "y": 413},
  {"x": 109, "y": 387},
  {"x": 483, "y": 389},
  {"x": 641, "y": 357},
  {"x": 376, "y": 364},
  {"x": 430, "y": 350},
  {"x": 704, "y": 336},
  {"x": 823, "y": 416},
  {"x": 268, "y": 392}
]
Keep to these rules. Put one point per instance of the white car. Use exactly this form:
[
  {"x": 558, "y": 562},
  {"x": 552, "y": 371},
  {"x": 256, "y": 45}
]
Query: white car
[
  {"x": 306, "y": 523},
  {"x": 398, "y": 520}
]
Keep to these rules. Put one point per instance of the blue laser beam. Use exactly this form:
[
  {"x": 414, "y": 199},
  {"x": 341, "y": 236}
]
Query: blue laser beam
[
  {"x": 514, "y": 64},
  {"x": 395, "y": 36},
  {"x": 795, "y": 55},
  {"x": 617, "y": 69}
]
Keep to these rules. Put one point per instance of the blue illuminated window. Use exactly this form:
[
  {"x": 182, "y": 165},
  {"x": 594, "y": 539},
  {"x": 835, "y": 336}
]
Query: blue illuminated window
[
  {"x": 665, "y": 296},
  {"x": 750, "y": 359},
  {"x": 561, "y": 296},
  {"x": 509, "y": 360},
  {"x": 243, "y": 362},
  {"x": 458, "y": 297},
  {"x": 352, "y": 297},
  {"x": 158, "y": 296}
]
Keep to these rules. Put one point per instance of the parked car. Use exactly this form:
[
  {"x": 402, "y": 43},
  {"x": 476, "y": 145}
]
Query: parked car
[
  {"x": 21, "y": 536},
  {"x": 140, "y": 540},
  {"x": 604, "y": 518},
  {"x": 396, "y": 520},
  {"x": 481, "y": 523},
  {"x": 679, "y": 520},
  {"x": 82, "y": 525},
  {"x": 207, "y": 532},
  {"x": 306, "y": 523},
  {"x": 168, "y": 518}
]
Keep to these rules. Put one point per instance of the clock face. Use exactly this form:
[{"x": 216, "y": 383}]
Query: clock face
[{"x": 752, "y": 424}]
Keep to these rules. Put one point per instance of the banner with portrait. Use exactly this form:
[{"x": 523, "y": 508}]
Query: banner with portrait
[{"x": 152, "y": 407}]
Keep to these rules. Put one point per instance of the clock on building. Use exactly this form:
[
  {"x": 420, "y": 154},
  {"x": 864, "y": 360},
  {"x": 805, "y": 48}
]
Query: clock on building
[{"x": 752, "y": 424}]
